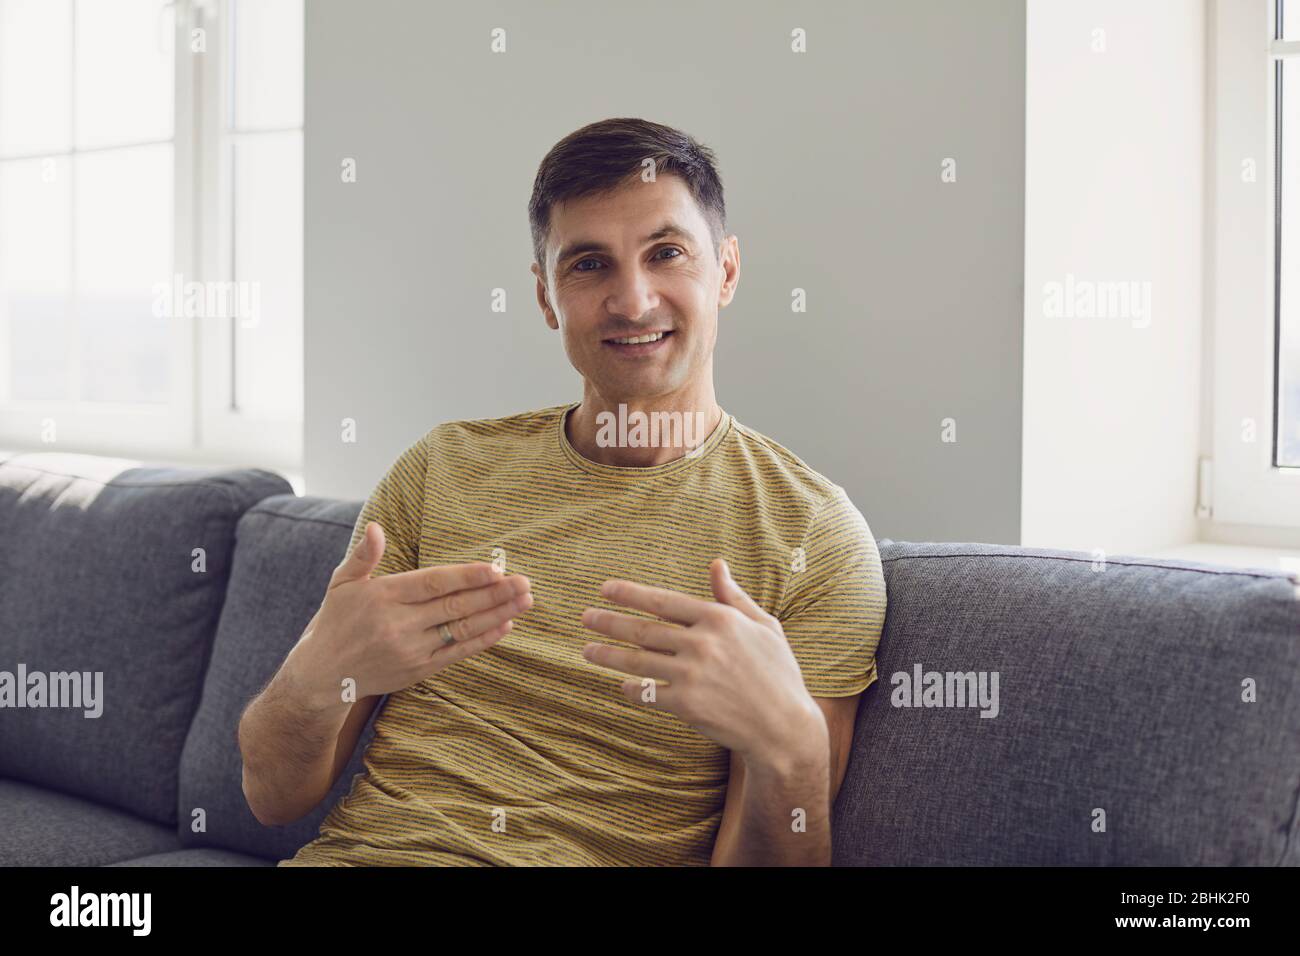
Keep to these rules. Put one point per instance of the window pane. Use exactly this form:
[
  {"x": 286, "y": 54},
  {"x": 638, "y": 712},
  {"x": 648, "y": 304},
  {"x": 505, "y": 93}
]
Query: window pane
[
  {"x": 1290, "y": 20},
  {"x": 35, "y": 262},
  {"x": 124, "y": 250},
  {"x": 268, "y": 64},
  {"x": 35, "y": 76},
  {"x": 124, "y": 71},
  {"x": 268, "y": 255},
  {"x": 1288, "y": 437}
]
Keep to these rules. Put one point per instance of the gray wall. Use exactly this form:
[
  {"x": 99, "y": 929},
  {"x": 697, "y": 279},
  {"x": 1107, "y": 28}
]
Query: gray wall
[{"x": 831, "y": 161}]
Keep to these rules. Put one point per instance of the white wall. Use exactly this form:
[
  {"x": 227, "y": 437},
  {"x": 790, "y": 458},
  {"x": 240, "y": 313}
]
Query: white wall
[
  {"x": 1114, "y": 176},
  {"x": 831, "y": 162}
]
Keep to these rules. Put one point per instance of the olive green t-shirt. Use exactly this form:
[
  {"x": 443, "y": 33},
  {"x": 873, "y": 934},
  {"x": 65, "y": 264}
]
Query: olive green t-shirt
[{"x": 527, "y": 753}]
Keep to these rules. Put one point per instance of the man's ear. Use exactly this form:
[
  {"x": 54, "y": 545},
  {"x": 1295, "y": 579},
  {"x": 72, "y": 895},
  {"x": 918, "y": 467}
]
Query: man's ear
[
  {"x": 730, "y": 264},
  {"x": 543, "y": 300}
]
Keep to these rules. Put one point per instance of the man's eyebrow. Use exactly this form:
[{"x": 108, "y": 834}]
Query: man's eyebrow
[{"x": 584, "y": 246}]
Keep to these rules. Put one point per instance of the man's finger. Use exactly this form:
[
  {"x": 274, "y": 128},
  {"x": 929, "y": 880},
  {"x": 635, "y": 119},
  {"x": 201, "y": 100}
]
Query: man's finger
[
  {"x": 363, "y": 559},
  {"x": 636, "y": 630},
  {"x": 648, "y": 692},
  {"x": 463, "y": 604},
  {"x": 727, "y": 591},
  {"x": 451, "y": 653},
  {"x": 669, "y": 605},
  {"x": 427, "y": 584},
  {"x": 467, "y": 628},
  {"x": 633, "y": 660}
]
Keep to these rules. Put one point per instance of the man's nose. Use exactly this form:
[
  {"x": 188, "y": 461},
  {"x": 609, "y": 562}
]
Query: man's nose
[{"x": 633, "y": 295}]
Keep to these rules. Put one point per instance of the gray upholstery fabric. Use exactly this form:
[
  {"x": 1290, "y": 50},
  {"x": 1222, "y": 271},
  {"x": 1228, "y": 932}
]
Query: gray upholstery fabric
[
  {"x": 96, "y": 576},
  {"x": 1119, "y": 689},
  {"x": 287, "y": 549},
  {"x": 42, "y": 827},
  {"x": 198, "y": 857}
]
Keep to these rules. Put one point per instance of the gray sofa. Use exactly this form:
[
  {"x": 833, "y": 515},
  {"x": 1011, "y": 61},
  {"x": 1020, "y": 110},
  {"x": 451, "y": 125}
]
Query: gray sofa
[{"x": 1124, "y": 733}]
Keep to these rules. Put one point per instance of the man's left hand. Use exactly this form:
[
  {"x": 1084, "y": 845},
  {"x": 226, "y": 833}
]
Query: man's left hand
[{"x": 723, "y": 667}]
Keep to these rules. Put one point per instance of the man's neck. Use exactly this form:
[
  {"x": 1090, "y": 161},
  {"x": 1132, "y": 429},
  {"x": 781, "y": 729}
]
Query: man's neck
[{"x": 606, "y": 431}]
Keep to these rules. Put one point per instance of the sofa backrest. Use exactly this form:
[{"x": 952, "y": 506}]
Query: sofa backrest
[
  {"x": 287, "y": 549},
  {"x": 1147, "y": 712},
  {"x": 1158, "y": 699},
  {"x": 116, "y": 573}
]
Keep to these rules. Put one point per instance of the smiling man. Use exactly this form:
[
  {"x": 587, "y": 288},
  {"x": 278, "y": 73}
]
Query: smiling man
[{"x": 594, "y": 644}]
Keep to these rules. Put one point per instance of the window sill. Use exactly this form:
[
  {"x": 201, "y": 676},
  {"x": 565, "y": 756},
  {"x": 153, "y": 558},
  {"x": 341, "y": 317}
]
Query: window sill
[
  {"x": 137, "y": 457},
  {"x": 1273, "y": 559}
]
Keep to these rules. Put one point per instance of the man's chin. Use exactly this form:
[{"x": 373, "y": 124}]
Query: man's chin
[{"x": 635, "y": 390}]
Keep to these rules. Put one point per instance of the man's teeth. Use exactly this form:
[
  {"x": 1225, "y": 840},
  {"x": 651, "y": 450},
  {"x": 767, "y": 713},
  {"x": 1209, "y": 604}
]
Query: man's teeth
[{"x": 640, "y": 339}]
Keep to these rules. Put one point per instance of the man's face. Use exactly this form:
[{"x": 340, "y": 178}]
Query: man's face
[{"x": 627, "y": 263}]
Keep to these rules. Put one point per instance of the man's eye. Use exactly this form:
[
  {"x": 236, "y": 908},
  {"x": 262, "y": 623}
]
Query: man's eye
[{"x": 577, "y": 267}]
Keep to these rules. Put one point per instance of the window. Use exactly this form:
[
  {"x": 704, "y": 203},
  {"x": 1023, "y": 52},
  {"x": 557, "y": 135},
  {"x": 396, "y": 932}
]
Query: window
[
  {"x": 1286, "y": 252},
  {"x": 151, "y": 228},
  {"x": 1255, "y": 263}
]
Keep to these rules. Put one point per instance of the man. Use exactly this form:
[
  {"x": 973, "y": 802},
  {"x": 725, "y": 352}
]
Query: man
[{"x": 606, "y": 637}]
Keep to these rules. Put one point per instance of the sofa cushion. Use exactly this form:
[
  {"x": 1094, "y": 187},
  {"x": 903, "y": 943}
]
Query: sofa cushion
[
  {"x": 197, "y": 857},
  {"x": 42, "y": 827},
  {"x": 287, "y": 549},
  {"x": 1120, "y": 689},
  {"x": 99, "y": 577}
]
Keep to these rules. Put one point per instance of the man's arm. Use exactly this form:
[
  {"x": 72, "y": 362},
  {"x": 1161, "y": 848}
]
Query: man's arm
[
  {"x": 382, "y": 634},
  {"x": 295, "y": 748},
  {"x": 758, "y": 818}
]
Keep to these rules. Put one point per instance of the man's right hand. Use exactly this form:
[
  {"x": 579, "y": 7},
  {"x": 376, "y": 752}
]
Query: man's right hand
[{"x": 383, "y": 632}]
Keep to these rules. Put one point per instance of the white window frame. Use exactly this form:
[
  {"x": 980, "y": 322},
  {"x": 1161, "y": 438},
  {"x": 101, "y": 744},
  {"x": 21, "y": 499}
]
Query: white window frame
[
  {"x": 1247, "y": 488},
  {"x": 198, "y": 425},
  {"x": 224, "y": 431}
]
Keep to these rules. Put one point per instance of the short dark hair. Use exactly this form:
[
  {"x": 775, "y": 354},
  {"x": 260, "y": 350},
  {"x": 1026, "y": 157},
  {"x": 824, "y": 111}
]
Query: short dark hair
[{"x": 604, "y": 155}]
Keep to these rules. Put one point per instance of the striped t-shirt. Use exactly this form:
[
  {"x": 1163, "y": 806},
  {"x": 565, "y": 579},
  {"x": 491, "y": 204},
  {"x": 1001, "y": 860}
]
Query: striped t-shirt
[{"x": 527, "y": 753}]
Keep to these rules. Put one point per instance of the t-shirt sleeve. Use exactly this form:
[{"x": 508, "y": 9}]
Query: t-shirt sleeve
[
  {"x": 397, "y": 503},
  {"x": 833, "y": 609}
]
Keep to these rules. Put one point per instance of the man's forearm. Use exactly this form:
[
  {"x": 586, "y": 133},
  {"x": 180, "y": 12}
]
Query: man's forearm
[
  {"x": 288, "y": 736},
  {"x": 784, "y": 814}
]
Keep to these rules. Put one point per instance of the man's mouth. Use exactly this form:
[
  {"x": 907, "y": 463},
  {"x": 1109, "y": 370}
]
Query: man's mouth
[{"x": 639, "y": 344}]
